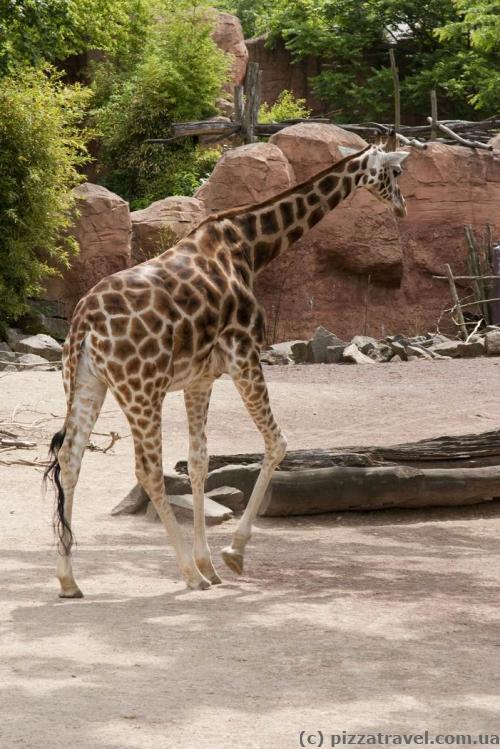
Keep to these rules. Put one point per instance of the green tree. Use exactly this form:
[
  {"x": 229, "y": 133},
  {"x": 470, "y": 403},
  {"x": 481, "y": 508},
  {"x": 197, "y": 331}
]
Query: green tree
[
  {"x": 178, "y": 78},
  {"x": 352, "y": 37},
  {"x": 35, "y": 32},
  {"x": 41, "y": 147}
]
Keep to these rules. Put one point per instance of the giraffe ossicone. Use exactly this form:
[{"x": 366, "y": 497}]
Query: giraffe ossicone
[{"x": 179, "y": 321}]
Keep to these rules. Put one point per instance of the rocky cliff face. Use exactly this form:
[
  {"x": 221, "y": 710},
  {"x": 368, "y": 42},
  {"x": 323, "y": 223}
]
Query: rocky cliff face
[
  {"x": 359, "y": 271},
  {"x": 102, "y": 229}
]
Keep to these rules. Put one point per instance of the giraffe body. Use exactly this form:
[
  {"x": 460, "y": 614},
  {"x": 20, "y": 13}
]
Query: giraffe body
[{"x": 179, "y": 321}]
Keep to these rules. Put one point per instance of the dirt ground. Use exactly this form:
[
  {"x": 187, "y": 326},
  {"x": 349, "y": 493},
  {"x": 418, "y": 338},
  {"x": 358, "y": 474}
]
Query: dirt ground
[{"x": 379, "y": 622}]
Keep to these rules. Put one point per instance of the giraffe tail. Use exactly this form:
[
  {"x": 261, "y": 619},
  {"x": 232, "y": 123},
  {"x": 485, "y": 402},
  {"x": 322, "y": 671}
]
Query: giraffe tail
[
  {"x": 53, "y": 474},
  {"x": 78, "y": 331}
]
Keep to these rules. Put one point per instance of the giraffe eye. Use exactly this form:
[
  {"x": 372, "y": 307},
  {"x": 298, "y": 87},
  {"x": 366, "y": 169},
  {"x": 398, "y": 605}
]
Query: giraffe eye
[{"x": 397, "y": 170}]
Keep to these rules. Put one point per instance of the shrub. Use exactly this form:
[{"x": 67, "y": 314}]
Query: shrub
[
  {"x": 178, "y": 78},
  {"x": 41, "y": 145},
  {"x": 286, "y": 107}
]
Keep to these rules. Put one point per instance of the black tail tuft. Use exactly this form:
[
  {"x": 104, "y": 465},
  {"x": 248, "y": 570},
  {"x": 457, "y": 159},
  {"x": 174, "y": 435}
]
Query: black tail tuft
[{"x": 53, "y": 473}]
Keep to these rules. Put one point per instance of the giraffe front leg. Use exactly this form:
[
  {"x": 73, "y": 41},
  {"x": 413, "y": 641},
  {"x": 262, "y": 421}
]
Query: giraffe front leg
[
  {"x": 197, "y": 400},
  {"x": 252, "y": 387}
]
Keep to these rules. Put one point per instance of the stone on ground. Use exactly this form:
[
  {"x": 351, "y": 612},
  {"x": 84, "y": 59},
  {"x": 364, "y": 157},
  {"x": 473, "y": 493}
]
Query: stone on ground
[
  {"x": 319, "y": 343},
  {"x": 228, "y": 496},
  {"x": 301, "y": 352},
  {"x": 353, "y": 354},
  {"x": 32, "y": 361},
  {"x": 471, "y": 349},
  {"x": 365, "y": 343},
  {"x": 450, "y": 348},
  {"x": 492, "y": 339},
  {"x": 42, "y": 345},
  {"x": 182, "y": 505},
  {"x": 418, "y": 352},
  {"x": 334, "y": 354}
]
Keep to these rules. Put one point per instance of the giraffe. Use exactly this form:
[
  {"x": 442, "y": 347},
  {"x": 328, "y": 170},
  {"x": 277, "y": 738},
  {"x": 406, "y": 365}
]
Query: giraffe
[{"x": 177, "y": 322}]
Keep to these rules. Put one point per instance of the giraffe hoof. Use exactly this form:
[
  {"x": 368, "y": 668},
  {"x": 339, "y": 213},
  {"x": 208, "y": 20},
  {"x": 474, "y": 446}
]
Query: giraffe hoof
[
  {"x": 71, "y": 593},
  {"x": 215, "y": 579},
  {"x": 233, "y": 559},
  {"x": 201, "y": 584}
]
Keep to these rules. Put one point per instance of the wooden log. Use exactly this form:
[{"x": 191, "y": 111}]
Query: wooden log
[
  {"x": 467, "y": 450},
  {"x": 310, "y": 492},
  {"x": 459, "y": 139}
]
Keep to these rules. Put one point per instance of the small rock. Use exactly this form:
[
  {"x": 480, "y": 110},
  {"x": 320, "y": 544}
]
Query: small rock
[
  {"x": 42, "y": 345},
  {"x": 5, "y": 367},
  {"x": 135, "y": 501},
  {"x": 242, "y": 477},
  {"x": 273, "y": 358},
  {"x": 365, "y": 343},
  {"x": 492, "y": 340},
  {"x": 301, "y": 352},
  {"x": 31, "y": 361},
  {"x": 285, "y": 348},
  {"x": 14, "y": 335},
  {"x": 450, "y": 348},
  {"x": 320, "y": 341},
  {"x": 182, "y": 505},
  {"x": 396, "y": 359},
  {"x": 5, "y": 348},
  {"x": 418, "y": 352},
  {"x": 353, "y": 354},
  {"x": 399, "y": 349},
  {"x": 228, "y": 496},
  {"x": 381, "y": 353},
  {"x": 334, "y": 354},
  {"x": 56, "y": 326},
  {"x": 472, "y": 349}
]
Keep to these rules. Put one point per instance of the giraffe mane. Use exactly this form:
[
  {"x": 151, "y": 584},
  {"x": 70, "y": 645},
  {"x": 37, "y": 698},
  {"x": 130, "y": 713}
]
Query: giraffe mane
[{"x": 231, "y": 212}]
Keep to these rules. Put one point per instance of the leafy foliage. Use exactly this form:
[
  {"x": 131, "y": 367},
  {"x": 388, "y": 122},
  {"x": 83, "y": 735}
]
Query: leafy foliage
[
  {"x": 34, "y": 32},
  {"x": 178, "y": 77},
  {"x": 286, "y": 107},
  {"x": 253, "y": 14},
  {"x": 41, "y": 146},
  {"x": 444, "y": 44}
]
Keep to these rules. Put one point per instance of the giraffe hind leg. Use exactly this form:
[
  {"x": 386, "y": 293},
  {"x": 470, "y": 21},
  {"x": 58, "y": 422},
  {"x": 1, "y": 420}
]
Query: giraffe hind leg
[{"x": 69, "y": 447}]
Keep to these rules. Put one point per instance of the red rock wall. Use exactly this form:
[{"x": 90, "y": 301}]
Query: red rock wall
[
  {"x": 446, "y": 187},
  {"x": 280, "y": 73}
]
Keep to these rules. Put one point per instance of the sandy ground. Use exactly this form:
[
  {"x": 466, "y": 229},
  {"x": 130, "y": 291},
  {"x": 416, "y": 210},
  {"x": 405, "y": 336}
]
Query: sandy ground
[{"x": 383, "y": 622}]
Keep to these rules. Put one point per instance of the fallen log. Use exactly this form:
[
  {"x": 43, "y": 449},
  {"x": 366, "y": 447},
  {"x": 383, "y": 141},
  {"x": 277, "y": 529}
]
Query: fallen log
[
  {"x": 467, "y": 450},
  {"x": 314, "y": 491}
]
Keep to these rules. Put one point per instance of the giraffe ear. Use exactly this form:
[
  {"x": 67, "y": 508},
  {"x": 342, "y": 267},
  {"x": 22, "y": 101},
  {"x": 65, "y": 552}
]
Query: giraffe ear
[
  {"x": 395, "y": 158},
  {"x": 346, "y": 151}
]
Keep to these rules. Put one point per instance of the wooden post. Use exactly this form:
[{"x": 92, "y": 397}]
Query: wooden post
[
  {"x": 238, "y": 104},
  {"x": 495, "y": 306},
  {"x": 252, "y": 102},
  {"x": 397, "y": 100},
  {"x": 456, "y": 301},
  {"x": 434, "y": 115},
  {"x": 475, "y": 264}
]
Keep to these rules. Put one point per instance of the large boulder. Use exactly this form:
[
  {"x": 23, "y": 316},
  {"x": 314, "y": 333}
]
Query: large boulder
[
  {"x": 162, "y": 224},
  {"x": 102, "y": 228},
  {"x": 361, "y": 236},
  {"x": 360, "y": 269},
  {"x": 312, "y": 146},
  {"x": 245, "y": 175},
  {"x": 228, "y": 35},
  {"x": 495, "y": 142}
]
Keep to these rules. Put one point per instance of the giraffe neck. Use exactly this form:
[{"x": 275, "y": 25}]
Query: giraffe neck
[{"x": 271, "y": 227}]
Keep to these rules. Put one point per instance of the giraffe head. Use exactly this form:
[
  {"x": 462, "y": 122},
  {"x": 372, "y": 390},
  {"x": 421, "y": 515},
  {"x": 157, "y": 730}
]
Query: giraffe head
[{"x": 381, "y": 176}]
